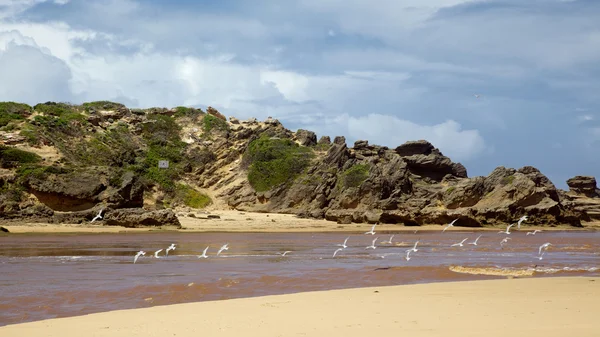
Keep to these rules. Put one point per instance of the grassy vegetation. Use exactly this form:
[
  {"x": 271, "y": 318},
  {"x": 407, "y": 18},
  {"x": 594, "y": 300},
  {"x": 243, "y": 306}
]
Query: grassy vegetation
[
  {"x": 101, "y": 105},
  {"x": 275, "y": 161},
  {"x": 182, "y": 111},
  {"x": 450, "y": 189},
  {"x": 190, "y": 197},
  {"x": 508, "y": 180},
  {"x": 355, "y": 175},
  {"x": 12, "y": 111},
  {"x": 210, "y": 122},
  {"x": 13, "y": 157}
]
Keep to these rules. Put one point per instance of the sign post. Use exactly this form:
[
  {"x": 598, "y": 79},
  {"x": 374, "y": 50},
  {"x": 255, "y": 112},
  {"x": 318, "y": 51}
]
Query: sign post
[{"x": 163, "y": 164}]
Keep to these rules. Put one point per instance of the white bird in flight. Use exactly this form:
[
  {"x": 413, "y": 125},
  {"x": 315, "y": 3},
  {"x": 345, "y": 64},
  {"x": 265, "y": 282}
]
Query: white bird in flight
[
  {"x": 97, "y": 217},
  {"x": 204, "y": 253},
  {"x": 140, "y": 253},
  {"x": 337, "y": 251},
  {"x": 507, "y": 231},
  {"x": 389, "y": 241},
  {"x": 284, "y": 253},
  {"x": 224, "y": 247},
  {"x": 474, "y": 243},
  {"x": 343, "y": 245},
  {"x": 544, "y": 247},
  {"x": 171, "y": 247},
  {"x": 156, "y": 253},
  {"x": 450, "y": 225},
  {"x": 460, "y": 244},
  {"x": 505, "y": 240},
  {"x": 521, "y": 219},
  {"x": 372, "y": 246},
  {"x": 533, "y": 233},
  {"x": 408, "y": 254},
  {"x": 372, "y": 231},
  {"x": 476, "y": 95},
  {"x": 414, "y": 248}
]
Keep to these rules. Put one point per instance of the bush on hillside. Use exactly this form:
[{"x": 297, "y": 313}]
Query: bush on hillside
[{"x": 274, "y": 161}]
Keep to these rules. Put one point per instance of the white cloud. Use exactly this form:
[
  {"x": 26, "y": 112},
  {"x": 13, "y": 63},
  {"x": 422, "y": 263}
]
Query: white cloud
[{"x": 388, "y": 130}]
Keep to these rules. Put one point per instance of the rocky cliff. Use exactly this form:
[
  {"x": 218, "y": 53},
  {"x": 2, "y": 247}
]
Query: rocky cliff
[{"x": 64, "y": 162}]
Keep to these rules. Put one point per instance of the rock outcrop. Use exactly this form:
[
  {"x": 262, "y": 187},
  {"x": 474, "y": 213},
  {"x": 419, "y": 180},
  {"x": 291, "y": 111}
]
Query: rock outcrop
[
  {"x": 411, "y": 184},
  {"x": 583, "y": 197}
]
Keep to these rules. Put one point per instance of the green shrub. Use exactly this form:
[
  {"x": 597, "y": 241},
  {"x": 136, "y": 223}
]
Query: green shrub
[
  {"x": 210, "y": 122},
  {"x": 13, "y": 157},
  {"x": 275, "y": 161},
  {"x": 450, "y": 189},
  {"x": 101, "y": 105},
  {"x": 192, "y": 198},
  {"x": 54, "y": 109},
  {"x": 161, "y": 130},
  {"x": 355, "y": 175},
  {"x": 12, "y": 111},
  {"x": 182, "y": 111}
]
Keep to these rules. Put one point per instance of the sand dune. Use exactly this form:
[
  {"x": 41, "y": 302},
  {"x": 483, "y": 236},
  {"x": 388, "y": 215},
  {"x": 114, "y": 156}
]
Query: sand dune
[{"x": 516, "y": 307}]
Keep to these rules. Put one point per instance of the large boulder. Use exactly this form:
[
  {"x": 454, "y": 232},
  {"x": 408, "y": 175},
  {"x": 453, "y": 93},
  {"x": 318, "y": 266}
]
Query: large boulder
[
  {"x": 306, "y": 138},
  {"x": 138, "y": 217},
  {"x": 585, "y": 185}
]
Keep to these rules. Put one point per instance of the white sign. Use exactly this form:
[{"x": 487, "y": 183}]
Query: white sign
[{"x": 163, "y": 164}]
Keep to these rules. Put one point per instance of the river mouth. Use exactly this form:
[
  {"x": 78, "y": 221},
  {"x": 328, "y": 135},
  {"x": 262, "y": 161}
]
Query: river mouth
[{"x": 47, "y": 276}]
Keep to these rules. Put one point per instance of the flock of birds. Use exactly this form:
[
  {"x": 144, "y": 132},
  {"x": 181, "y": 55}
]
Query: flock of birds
[{"x": 541, "y": 250}]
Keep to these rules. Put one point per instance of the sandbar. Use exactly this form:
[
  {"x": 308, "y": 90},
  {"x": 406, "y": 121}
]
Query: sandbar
[{"x": 560, "y": 306}]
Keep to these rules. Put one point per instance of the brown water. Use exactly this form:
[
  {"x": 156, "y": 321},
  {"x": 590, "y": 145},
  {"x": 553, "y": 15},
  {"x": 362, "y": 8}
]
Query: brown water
[{"x": 48, "y": 276}]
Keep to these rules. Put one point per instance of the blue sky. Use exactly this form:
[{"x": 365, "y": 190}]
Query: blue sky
[{"x": 384, "y": 70}]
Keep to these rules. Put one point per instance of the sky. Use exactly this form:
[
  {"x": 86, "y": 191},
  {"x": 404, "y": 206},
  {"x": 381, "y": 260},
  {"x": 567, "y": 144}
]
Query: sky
[{"x": 387, "y": 71}]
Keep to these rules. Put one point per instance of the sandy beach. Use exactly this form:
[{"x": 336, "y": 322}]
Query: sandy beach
[
  {"x": 236, "y": 221},
  {"x": 518, "y": 307}
]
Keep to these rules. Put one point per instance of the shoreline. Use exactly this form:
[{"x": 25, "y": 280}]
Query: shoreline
[
  {"x": 248, "y": 222},
  {"x": 553, "y": 306}
]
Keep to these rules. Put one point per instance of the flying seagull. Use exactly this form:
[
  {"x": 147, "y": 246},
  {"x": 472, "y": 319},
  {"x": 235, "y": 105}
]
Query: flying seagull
[
  {"x": 372, "y": 231},
  {"x": 224, "y": 247},
  {"x": 97, "y": 217},
  {"x": 505, "y": 240},
  {"x": 337, "y": 251},
  {"x": 389, "y": 241},
  {"x": 204, "y": 253},
  {"x": 533, "y": 233},
  {"x": 544, "y": 247},
  {"x": 156, "y": 253},
  {"x": 414, "y": 248},
  {"x": 476, "y": 95},
  {"x": 284, "y": 253},
  {"x": 408, "y": 254},
  {"x": 171, "y": 247},
  {"x": 474, "y": 243},
  {"x": 343, "y": 245},
  {"x": 450, "y": 225},
  {"x": 140, "y": 253},
  {"x": 523, "y": 218},
  {"x": 372, "y": 246},
  {"x": 507, "y": 231},
  {"x": 460, "y": 244}
]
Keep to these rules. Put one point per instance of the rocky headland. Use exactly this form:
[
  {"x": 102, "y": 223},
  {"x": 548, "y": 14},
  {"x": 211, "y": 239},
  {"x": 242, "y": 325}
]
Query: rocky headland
[{"x": 63, "y": 163}]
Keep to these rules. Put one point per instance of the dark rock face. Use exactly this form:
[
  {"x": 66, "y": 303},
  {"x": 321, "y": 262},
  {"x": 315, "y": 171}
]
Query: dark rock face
[
  {"x": 137, "y": 217},
  {"x": 306, "y": 138},
  {"x": 585, "y": 185}
]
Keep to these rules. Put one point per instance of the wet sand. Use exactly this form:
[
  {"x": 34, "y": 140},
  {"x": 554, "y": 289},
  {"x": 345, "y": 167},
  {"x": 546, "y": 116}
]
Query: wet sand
[
  {"x": 519, "y": 307},
  {"x": 236, "y": 221}
]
